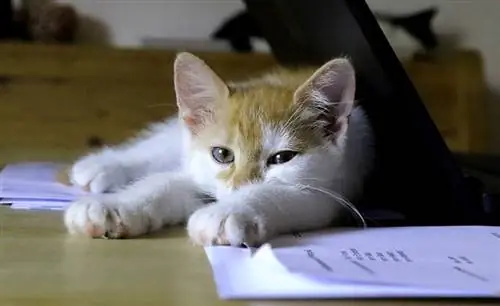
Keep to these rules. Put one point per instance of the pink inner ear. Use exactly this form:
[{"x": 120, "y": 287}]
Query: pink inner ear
[
  {"x": 195, "y": 121},
  {"x": 330, "y": 92},
  {"x": 189, "y": 121},
  {"x": 198, "y": 90}
]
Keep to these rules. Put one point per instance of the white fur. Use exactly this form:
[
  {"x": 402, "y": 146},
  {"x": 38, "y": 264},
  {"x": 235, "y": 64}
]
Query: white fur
[
  {"x": 159, "y": 179},
  {"x": 167, "y": 189}
]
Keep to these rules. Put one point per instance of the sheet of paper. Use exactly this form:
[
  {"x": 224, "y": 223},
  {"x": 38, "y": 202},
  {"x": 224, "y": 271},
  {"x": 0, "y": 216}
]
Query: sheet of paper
[
  {"x": 34, "y": 185},
  {"x": 386, "y": 262},
  {"x": 238, "y": 276},
  {"x": 461, "y": 258},
  {"x": 35, "y": 204},
  {"x": 31, "y": 171},
  {"x": 35, "y": 180},
  {"x": 39, "y": 205}
]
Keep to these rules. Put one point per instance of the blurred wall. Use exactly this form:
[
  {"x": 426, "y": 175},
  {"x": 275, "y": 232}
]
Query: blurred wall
[
  {"x": 470, "y": 23},
  {"x": 129, "y": 21}
]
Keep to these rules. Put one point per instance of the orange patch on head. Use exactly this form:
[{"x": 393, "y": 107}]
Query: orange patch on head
[
  {"x": 295, "y": 108},
  {"x": 249, "y": 112}
]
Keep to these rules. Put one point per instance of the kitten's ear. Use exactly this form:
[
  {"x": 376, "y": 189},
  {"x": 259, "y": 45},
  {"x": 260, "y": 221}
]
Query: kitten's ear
[
  {"x": 198, "y": 90},
  {"x": 330, "y": 93}
]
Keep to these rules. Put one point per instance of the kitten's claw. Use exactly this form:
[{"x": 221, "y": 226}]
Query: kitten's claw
[
  {"x": 96, "y": 218},
  {"x": 226, "y": 225},
  {"x": 98, "y": 173}
]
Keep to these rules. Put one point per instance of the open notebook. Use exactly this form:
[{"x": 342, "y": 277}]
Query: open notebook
[{"x": 36, "y": 185}]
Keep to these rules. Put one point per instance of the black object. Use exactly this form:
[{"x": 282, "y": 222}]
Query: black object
[
  {"x": 238, "y": 31},
  {"x": 14, "y": 24},
  {"x": 6, "y": 19},
  {"x": 416, "y": 175},
  {"x": 418, "y": 25},
  {"x": 487, "y": 163}
]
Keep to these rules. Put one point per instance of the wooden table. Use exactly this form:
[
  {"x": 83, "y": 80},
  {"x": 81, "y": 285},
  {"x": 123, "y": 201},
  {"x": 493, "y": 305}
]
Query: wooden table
[{"x": 41, "y": 265}]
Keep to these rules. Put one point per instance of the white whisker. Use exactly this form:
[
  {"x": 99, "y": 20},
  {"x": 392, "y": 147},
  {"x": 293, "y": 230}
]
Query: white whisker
[
  {"x": 293, "y": 117},
  {"x": 355, "y": 212}
]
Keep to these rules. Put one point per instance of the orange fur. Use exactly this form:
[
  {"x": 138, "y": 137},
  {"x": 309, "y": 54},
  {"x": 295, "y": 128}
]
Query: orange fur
[{"x": 239, "y": 121}]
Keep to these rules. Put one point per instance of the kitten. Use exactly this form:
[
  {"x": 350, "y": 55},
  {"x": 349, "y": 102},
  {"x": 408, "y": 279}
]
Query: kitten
[{"x": 242, "y": 163}]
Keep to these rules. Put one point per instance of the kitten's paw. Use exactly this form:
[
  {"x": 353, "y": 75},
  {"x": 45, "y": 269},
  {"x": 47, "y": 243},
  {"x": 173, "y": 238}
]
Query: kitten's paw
[
  {"x": 99, "y": 218},
  {"x": 226, "y": 225},
  {"x": 98, "y": 173}
]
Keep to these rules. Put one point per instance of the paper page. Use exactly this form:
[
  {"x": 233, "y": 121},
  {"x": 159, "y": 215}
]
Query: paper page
[
  {"x": 398, "y": 262},
  {"x": 41, "y": 191},
  {"x": 31, "y": 171},
  {"x": 35, "y": 181},
  {"x": 35, "y": 204},
  {"x": 238, "y": 276},
  {"x": 455, "y": 258},
  {"x": 39, "y": 205}
]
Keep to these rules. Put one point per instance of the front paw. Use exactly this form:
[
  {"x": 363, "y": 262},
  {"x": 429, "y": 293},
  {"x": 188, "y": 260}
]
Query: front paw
[
  {"x": 98, "y": 173},
  {"x": 226, "y": 225},
  {"x": 103, "y": 217}
]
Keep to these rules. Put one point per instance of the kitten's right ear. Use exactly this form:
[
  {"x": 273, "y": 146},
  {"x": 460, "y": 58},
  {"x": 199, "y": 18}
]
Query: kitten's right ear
[
  {"x": 198, "y": 90},
  {"x": 330, "y": 94}
]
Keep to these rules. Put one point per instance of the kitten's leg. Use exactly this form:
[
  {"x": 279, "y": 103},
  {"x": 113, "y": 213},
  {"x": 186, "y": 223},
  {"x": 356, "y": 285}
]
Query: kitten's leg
[
  {"x": 158, "y": 149},
  {"x": 149, "y": 204},
  {"x": 256, "y": 213}
]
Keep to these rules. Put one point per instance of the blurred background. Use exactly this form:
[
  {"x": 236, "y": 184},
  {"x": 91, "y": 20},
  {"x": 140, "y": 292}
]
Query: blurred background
[{"x": 76, "y": 74}]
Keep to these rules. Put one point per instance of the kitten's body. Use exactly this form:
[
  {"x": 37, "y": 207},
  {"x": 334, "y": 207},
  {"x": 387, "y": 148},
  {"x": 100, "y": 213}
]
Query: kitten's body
[{"x": 168, "y": 174}]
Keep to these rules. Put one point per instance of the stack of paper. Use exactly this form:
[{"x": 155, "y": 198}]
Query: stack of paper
[
  {"x": 35, "y": 186},
  {"x": 453, "y": 262}
]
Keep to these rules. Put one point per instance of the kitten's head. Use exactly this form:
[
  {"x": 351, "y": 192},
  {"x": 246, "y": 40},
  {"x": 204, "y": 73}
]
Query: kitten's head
[{"x": 288, "y": 127}]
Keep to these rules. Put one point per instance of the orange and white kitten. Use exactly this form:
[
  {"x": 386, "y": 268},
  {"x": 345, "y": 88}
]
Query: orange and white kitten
[{"x": 241, "y": 163}]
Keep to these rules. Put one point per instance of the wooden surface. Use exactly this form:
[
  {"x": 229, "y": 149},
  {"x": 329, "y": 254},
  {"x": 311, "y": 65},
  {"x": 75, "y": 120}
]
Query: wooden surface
[
  {"x": 41, "y": 265},
  {"x": 58, "y": 98},
  {"x": 453, "y": 89},
  {"x": 55, "y": 98}
]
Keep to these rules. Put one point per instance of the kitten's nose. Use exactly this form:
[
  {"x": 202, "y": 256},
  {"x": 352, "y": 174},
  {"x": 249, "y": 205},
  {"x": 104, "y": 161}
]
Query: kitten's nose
[
  {"x": 233, "y": 188},
  {"x": 245, "y": 175}
]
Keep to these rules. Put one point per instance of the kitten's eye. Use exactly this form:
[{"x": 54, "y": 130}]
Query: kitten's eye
[
  {"x": 281, "y": 157},
  {"x": 222, "y": 155}
]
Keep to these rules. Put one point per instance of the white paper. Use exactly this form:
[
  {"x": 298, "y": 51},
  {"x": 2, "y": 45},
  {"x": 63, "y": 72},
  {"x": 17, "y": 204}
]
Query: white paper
[
  {"x": 38, "y": 205},
  {"x": 34, "y": 185},
  {"x": 382, "y": 262}
]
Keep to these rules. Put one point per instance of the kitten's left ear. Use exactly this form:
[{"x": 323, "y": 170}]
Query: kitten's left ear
[
  {"x": 198, "y": 89},
  {"x": 329, "y": 93}
]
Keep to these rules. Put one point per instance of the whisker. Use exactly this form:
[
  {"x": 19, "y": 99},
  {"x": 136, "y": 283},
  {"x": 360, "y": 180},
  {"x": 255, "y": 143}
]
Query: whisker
[
  {"x": 355, "y": 212},
  {"x": 315, "y": 179},
  {"x": 292, "y": 118}
]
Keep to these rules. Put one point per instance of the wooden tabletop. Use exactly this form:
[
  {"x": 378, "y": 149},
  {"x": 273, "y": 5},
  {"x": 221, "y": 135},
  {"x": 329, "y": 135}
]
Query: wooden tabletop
[{"x": 41, "y": 265}]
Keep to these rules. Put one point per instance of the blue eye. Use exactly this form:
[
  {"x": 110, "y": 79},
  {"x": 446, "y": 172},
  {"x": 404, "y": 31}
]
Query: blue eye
[
  {"x": 281, "y": 157},
  {"x": 222, "y": 155}
]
